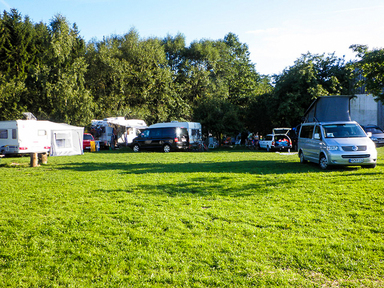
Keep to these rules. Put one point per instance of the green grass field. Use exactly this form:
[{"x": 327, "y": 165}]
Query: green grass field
[{"x": 217, "y": 219}]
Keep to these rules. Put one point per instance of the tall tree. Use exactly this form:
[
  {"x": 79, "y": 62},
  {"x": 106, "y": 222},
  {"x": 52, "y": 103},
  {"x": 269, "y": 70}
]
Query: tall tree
[
  {"x": 310, "y": 77},
  {"x": 371, "y": 67},
  {"x": 63, "y": 96},
  {"x": 17, "y": 53}
]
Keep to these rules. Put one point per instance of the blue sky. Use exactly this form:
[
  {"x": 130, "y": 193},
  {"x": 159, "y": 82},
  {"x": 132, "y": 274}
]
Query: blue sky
[{"x": 277, "y": 32}]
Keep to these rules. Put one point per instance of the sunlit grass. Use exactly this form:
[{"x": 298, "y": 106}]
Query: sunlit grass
[{"x": 219, "y": 219}]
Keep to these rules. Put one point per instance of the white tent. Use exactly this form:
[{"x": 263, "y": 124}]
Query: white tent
[{"x": 66, "y": 140}]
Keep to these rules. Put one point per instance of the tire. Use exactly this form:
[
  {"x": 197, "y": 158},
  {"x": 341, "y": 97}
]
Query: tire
[
  {"x": 369, "y": 166},
  {"x": 302, "y": 159},
  {"x": 136, "y": 148},
  {"x": 323, "y": 162},
  {"x": 166, "y": 148},
  {"x": 268, "y": 148}
]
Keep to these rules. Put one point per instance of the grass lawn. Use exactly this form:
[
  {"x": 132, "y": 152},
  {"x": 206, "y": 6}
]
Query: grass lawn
[{"x": 218, "y": 219}]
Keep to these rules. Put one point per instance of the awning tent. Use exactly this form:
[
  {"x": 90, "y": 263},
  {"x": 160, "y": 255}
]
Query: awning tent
[{"x": 66, "y": 140}]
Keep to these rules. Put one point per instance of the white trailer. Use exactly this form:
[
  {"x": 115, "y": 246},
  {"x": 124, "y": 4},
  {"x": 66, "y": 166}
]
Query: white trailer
[
  {"x": 194, "y": 130},
  {"x": 116, "y": 128},
  {"x": 37, "y": 136},
  {"x": 24, "y": 137}
]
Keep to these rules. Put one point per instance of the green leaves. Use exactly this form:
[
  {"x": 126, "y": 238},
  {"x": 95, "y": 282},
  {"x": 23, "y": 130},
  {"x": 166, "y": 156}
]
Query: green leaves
[{"x": 371, "y": 67}]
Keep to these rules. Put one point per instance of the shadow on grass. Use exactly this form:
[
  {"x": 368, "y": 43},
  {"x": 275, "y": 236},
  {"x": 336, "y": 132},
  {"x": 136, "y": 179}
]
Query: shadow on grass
[
  {"x": 207, "y": 186},
  {"x": 248, "y": 167}
]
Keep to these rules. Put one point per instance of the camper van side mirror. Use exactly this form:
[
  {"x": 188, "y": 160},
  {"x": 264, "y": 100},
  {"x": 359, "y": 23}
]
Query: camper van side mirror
[{"x": 369, "y": 134}]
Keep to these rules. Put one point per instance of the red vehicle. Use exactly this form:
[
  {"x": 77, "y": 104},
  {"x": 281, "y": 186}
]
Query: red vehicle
[{"x": 87, "y": 138}]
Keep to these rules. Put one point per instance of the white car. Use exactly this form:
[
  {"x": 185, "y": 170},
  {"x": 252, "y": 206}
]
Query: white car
[{"x": 278, "y": 140}]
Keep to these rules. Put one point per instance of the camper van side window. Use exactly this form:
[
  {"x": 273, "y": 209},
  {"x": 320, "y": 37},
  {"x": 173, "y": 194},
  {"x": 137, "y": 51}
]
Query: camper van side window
[
  {"x": 3, "y": 134},
  {"x": 306, "y": 131},
  {"x": 14, "y": 134}
]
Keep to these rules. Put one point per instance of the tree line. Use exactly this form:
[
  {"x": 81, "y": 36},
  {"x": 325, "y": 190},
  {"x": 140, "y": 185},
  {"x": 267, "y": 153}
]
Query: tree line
[{"x": 49, "y": 70}]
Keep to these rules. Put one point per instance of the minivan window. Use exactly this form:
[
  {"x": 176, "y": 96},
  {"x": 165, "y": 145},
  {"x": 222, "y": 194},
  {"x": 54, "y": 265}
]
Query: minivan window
[
  {"x": 145, "y": 134},
  {"x": 343, "y": 131},
  {"x": 317, "y": 134},
  {"x": 156, "y": 133},
  {"x": 168, "y": 132},
  {"x": 306, "y": 131}
]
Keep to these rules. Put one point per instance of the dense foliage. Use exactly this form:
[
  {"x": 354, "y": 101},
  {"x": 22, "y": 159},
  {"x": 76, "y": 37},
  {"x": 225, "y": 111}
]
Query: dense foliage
[
  {"x": 371, "y": 67},
  {"x": 50, "y": 71}
]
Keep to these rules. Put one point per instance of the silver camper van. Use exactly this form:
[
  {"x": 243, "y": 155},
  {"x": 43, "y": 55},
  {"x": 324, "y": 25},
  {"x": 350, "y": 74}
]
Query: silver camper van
[
  {"x": 328, "y": 136},
  {"x": 336, "y": 143}
]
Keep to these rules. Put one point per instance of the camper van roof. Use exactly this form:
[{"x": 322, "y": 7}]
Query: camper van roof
[{"x": 328, "y": 108}]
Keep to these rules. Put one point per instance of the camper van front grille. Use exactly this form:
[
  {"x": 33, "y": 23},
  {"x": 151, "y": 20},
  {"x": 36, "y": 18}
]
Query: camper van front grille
[
  {"x": 353, "y": 148},
  {"x": 356, "y": 156}
]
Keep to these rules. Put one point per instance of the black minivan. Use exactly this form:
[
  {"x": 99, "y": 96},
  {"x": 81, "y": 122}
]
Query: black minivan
[{"x": 165, "y": 139}]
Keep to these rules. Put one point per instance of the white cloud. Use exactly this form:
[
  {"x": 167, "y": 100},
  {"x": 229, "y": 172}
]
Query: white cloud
[{"x": 5, "y": 4}]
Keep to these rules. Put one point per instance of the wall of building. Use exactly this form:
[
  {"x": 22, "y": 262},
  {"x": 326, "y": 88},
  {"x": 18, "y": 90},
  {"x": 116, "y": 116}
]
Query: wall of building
[{"x": 365, "y": 110}]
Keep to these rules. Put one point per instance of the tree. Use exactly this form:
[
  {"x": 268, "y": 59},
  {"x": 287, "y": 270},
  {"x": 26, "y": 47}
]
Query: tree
[
  {"x": 59, "y": 78},
  {"x": 371, "y": 67},
  {"x": 218, "y": 117},
  {"x": 129, "y": 76},
  {"x": 17, "y": 54},
  {"x": 310, "y": 77}
]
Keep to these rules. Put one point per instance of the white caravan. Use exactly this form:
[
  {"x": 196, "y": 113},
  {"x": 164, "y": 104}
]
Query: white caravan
[
  {"x": 34, "y": 136},
  {"x": 124, "y": 130},
  {"x": 24, "y": 136},
  {"x": 194, "y": 130}
]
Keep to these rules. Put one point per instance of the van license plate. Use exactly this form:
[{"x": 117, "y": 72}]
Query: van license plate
[{"x": 356, "y": 160}]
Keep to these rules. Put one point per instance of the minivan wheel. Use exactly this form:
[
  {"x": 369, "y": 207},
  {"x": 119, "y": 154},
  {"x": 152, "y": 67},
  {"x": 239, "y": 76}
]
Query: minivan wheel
[
  {"x": 323, "y": 162},
  {"x": 136, "y": 148},
  {"x": 302, "y": 159},
  {"x": 369, "y": 166},
  {"x": 167, "y": 148}
]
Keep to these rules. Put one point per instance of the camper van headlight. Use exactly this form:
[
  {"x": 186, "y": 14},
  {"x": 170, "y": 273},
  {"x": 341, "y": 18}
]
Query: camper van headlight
[{"x": 332, "y": 148}]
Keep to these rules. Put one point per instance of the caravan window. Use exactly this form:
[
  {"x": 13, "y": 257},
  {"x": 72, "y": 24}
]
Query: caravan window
[
  {"x": 3, "y": 134},
  {"x": 63, "y": 139},
  {"x": 196, "y": 134},
  {"x": 41, "y": 132},
  {"x": 14, "y": 134}
]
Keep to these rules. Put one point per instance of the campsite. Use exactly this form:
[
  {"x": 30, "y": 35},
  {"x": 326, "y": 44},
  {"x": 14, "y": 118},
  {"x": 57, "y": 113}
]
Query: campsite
[{"x": 226, "y": 218}]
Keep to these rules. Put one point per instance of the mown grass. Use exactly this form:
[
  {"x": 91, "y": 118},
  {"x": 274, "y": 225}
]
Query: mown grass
[{"x": 217, "y": 219}]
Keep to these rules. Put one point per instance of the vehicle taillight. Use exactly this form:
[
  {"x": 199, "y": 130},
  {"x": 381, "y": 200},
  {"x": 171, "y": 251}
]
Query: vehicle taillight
[
  {"x": 176, "y": 140},
  {"x": 273, "y": 143},
  {"x": 23, "y": 148},
  {"x": 47, "y": 147}
]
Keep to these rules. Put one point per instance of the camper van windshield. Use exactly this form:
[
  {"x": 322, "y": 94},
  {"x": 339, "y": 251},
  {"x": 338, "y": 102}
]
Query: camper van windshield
[{"x": 343, "y": 131}]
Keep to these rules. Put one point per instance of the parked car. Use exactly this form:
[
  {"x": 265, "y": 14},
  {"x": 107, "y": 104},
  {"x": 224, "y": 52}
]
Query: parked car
[
  {"x": 377, "y": 134},
  {"x": 336, "y": 143},
  {"x": 87, "y": 138},
  {"x": 278, "y": 140},
  {"x": 165, "y": 139}
]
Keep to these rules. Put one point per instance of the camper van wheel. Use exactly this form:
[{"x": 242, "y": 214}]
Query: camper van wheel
[
  {"x": 369, "y": 166},
  {"x": 302, "y": 159},
  {"x": 136, "y": 148},
  {"x": 167, "y": 148},
  {"x": 323, "y": 162}
]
